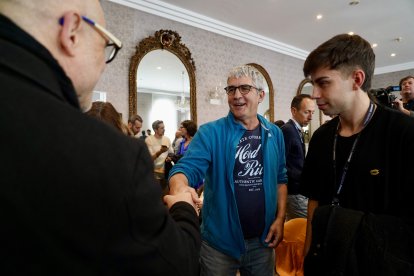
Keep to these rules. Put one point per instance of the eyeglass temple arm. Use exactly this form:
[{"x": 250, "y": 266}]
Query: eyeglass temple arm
[{"x": 115, "y": 40}]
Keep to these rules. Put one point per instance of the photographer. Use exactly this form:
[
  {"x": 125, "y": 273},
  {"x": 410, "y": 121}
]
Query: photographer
[{"x": 406, "y": 103}]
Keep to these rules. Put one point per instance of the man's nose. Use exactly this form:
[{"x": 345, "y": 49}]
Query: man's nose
[
  {"x": 315, "y": 93},
  {"x": 237, "y": 93}
]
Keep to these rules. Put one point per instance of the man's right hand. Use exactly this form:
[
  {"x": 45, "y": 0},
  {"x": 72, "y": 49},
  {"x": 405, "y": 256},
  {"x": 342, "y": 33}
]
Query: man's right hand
[
  {"x": 179, "y": 184},
  {"x": 170, "y": 200}
]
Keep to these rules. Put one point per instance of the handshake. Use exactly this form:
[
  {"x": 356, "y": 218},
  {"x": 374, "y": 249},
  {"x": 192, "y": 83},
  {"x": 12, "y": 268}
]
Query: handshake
[{"x": 186, "y": 194}]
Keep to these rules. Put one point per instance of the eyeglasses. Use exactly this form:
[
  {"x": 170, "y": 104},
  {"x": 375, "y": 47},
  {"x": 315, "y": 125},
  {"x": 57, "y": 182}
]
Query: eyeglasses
[
  {"x": 112, "y": 46},
  {"x": 244, "y": 89}
]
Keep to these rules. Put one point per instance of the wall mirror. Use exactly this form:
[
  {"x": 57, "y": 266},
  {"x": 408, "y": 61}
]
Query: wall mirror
[
  {"x": 266, "y": 107},
  {"x": 162, "y": 82}
]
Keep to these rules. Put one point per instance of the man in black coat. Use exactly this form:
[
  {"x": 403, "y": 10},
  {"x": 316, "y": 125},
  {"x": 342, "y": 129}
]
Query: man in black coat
[
  {"x": 77, "y": 197},
  {"x": 302, "y": 109}
]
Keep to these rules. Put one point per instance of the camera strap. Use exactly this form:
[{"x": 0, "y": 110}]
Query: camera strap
[{"x": 367, "y": 119}]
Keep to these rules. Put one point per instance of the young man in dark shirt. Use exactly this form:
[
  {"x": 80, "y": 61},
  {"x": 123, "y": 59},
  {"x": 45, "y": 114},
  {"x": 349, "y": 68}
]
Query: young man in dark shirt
[{"x": 362, "y": 161}]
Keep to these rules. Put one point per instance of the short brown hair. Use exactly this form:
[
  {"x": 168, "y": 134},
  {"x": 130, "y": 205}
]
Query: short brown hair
[
  {"x": 344, "y": 53},
  {"x": 297, "y": 100},
  {"x": 190, "y": 126},
  {"x": 134, "y": 118},
  {"x": 107, "y": 113},
  {"x": 405, "y": 78}
]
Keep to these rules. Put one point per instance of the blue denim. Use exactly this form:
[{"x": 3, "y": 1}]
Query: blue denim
[{"x": 258, "y": 260}]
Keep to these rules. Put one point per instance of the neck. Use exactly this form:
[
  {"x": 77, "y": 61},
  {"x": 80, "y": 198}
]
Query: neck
[
  {"x": 296, "y": 121},
  {"x": 157, "y": 136},
  {"x": 250, "y": 124},
  {"x": 352, "y": 120}
]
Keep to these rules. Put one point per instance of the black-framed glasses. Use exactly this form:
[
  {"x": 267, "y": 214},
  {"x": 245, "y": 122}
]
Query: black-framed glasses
[
  {"x": 244, "y": 89},
  {"x": 112, "y": 46}
]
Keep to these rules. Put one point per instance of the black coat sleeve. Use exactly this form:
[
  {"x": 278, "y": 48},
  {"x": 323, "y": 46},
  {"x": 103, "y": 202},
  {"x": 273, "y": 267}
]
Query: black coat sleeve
[{"x": 159, "y": 241}]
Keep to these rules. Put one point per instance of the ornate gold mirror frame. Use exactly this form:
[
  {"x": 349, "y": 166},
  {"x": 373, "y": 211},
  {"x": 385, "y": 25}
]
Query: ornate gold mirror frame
[
  {"x": 271, "y": 91},
  {"x": 164, "y": 40}
]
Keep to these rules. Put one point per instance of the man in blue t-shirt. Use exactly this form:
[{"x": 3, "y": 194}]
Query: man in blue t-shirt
[{"x": 242, "y": 158}]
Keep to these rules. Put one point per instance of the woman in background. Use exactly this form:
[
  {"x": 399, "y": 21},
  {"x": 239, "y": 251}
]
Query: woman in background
[
  {"x": 107, "y": 113},
  {"x": 188, "y": 129}
]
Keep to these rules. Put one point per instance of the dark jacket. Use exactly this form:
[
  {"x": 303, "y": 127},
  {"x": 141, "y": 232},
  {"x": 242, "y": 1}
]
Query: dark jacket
[
  {"x": 77, "y": 197},
  {"x": 295, "y": 156},
  {"x": 350, "y": 242}
]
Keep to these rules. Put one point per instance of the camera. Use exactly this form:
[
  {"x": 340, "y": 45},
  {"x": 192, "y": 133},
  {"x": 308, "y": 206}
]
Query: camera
[{"x": 384, "y": 97}]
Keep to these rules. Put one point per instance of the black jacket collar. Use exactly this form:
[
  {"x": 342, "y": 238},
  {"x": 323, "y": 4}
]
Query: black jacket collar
[{"x": 31, "y": 52}]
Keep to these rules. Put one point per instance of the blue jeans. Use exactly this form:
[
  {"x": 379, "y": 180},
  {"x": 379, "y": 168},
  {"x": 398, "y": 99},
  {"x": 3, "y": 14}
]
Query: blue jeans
[{"x": 258, "y": 260}]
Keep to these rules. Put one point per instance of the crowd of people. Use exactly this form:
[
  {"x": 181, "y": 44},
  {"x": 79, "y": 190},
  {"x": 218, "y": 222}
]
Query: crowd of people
[{"x": 79, "y": 196}]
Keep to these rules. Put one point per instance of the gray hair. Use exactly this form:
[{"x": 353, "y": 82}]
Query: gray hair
[
  {"x": 248, "y": 71},
  {"x": 156, "y": 124}
]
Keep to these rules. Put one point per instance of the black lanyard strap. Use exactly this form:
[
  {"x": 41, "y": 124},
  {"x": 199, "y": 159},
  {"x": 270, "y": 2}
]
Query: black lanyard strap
[{"x": 367, "y": 119}]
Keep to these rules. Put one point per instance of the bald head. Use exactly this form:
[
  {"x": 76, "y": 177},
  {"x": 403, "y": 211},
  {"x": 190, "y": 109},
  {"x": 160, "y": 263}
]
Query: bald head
[{"x": 75, "y": 44}]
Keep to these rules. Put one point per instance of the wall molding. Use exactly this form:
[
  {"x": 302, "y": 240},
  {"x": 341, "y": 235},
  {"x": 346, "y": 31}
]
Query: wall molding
[
  {"x": 394, "y": 68},
  {"x": 206, "y": 23}
]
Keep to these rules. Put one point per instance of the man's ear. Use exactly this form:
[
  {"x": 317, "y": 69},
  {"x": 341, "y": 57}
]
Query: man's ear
[
  {"x": 359, "y": 78},
  {"x": 261, "y": 96},
  {"x": 69, "y": 34}
]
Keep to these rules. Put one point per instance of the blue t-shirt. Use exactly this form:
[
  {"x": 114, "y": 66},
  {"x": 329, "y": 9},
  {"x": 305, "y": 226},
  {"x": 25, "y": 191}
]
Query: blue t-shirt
[{"x": 248, "y": 183}]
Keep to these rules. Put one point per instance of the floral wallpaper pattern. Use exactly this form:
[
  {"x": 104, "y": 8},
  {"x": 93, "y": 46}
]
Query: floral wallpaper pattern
[{"x": 213, "y": 54}]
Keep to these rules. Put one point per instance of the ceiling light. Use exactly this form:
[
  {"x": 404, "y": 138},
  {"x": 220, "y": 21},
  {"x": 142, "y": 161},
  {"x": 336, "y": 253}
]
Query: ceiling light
[
  {"x": 354, "y": 2},
  {"x": 159, "y": 67},
  {"x": 351, "y": 33},
  {"x": 398, "y": 39},
  {"x": 319, "y": 17},
  {"x": 393, "y": 54},
  {"x": 374, "y": 45}
]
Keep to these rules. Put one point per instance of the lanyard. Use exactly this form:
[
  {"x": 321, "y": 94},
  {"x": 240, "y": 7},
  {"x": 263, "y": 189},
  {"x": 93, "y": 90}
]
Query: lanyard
[{"x": 368, "y": 117}]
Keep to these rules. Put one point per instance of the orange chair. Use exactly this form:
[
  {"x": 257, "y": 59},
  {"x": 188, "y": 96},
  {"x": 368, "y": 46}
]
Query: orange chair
[{"x": 289, "y": 253}]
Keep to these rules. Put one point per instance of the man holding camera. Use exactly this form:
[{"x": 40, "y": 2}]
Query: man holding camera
[{"x": 406, "y": 103}]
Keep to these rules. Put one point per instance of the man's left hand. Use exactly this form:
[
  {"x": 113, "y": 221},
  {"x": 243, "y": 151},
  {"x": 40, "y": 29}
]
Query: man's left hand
[{"x": 275, "y": 235}]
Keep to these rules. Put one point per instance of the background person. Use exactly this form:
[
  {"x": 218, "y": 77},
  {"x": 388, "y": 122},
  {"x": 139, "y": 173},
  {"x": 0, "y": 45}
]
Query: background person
[
  {"x": 279, "y": 123},
  {"x": 77, "y": 198},
  {"x": 144, "y": 135},
  {"x": 187, "y": 130},
  {"x": 107, "y": 113},
  {"x": 406, "y": 103},
  {"x": 135, "y": 124},
  {"x": 242, "y": 158},
  {"x": 158, "y": 144},
  {"x": 177, "y": 140},
  {"x": 302, "y": 108},
  {"x": 352, "y": 164}
]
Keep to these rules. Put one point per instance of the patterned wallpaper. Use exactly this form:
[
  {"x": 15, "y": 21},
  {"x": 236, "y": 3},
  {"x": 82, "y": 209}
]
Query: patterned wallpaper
[{"x": 213, "y": 55}]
